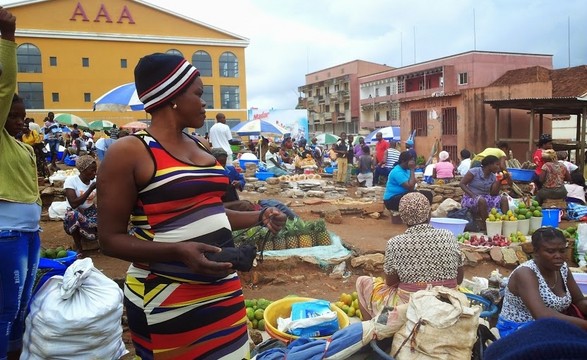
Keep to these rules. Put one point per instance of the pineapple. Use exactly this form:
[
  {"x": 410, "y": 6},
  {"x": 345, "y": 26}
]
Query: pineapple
[
  {"x": 320, "y": 234},
  {"x": 305, "y": 235},
  {"x": 279, "y": 242},
  {"x": 291, "y": 233}
]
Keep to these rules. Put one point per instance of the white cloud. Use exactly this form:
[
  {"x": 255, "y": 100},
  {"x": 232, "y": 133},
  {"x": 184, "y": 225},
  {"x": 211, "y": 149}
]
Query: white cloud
[{"x": 292, "y": 38}]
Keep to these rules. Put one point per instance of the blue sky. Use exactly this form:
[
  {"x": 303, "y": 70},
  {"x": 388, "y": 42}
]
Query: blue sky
[{"x": 289, "y": 39}]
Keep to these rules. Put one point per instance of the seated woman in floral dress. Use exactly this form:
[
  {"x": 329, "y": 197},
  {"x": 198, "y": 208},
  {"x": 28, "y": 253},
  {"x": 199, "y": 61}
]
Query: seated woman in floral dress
[
  {"x": 81, "y": 216},
  {"x": 419, "y": 257}
]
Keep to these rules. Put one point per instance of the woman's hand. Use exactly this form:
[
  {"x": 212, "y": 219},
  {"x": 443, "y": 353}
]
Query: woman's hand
[
  {"x": 192, "y": 254},
  {"x": 273, "y": 219},
  {"x": 412, "y": 165}
]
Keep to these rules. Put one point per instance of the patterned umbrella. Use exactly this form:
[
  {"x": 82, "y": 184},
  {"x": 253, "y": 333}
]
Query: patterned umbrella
[
  {"x": 101, "y": 125},
  {"x": 121, "y": 98},
  {"x": 70, "y": 119}
]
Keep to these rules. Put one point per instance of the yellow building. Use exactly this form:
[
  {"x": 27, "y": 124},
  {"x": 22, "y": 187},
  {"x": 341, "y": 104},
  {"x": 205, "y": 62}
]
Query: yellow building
[{"x": 72, "y": 52}]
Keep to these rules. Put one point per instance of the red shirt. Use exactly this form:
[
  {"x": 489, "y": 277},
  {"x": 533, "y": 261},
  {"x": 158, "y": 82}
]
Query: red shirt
[
  {"x": 537, "y": 159},
  {"x": 380, "y": 150}
]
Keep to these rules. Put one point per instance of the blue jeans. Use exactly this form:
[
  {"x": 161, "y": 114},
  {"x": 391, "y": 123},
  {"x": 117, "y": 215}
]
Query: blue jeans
[{"x": 19, "y": 256}]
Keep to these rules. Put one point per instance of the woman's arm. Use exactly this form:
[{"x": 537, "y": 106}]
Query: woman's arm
[
  {"x": 464, "y": 184},
  {"x": 270, "y": 217},
  {"x": 410, "y": 185},
  {"x": 8, "y": 64},
  {"x": 523, "y": 283},
  {"x": 125, "y": 162},
  {"x": 74, "y": 200},
  {"x": 495, "y": 187}
]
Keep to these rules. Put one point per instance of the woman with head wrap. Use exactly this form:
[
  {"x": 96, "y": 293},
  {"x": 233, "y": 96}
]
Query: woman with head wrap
[
  {"x": 544, "y": 143},
  {"x": 402, "y": 180},
  {"x": 81, "y": 215},
  {"x": 444, "y": 169},
  {"x": 552, "y": 177},
  {"x": 419, "y": 257},
  {"x": 481, "y": 189},
  {"x": 179, "y": 303}
]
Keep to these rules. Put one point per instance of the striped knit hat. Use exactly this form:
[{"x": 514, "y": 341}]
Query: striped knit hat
[{"x": 160, "y": 77}]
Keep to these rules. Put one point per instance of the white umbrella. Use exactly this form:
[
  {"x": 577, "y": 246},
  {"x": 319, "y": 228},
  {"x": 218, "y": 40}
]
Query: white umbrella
[
  {"x": 389, "y": 133},
  {"x": 258, "y": 127}
]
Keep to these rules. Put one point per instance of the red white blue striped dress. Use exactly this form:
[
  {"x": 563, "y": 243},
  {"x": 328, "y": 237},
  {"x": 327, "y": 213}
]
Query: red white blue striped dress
[{"x": 172, "y": 312}]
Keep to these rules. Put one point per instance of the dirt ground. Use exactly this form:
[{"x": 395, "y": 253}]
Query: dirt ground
[{"x": 273, "y": 279}]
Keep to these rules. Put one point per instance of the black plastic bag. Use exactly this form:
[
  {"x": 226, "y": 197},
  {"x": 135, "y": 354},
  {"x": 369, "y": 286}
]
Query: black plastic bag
[{"x": 465, "y": 214}]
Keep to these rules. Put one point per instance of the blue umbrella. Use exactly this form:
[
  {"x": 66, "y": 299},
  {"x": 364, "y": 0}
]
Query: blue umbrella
[
  {"x": 121, "y": 98},
  {"x": 389, "y": 133},
  {"x": 258, "y": 127}
]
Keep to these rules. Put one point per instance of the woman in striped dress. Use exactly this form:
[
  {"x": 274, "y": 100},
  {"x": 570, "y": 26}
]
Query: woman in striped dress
[{"x": 180, "y": 305}]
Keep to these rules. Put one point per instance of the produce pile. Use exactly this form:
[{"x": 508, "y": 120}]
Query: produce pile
[
  {"x": 475, "y": 240},
  {"x": 349, "y": 303},
  {"x": 54, "y": 253},
  {"x": 296, "y": 233},
  {"x": 255, "y": 309}
]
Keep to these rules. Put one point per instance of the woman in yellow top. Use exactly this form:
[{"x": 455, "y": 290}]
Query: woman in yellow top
[
  {"x": 499, "y": 152},
  {"x": 30, "y": 137}
]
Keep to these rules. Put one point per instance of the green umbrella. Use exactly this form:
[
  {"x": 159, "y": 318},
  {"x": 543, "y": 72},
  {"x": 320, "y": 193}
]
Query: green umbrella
[
  {"x": 101, "y": 125},
  {"x": 327, "y": 139},
  {"x": 70, "y": 119}
]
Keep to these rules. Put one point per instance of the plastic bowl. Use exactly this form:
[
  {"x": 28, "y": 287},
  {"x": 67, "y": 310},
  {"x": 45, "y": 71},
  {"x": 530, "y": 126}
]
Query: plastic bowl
[
  {"x": 329, "y": 170},
  {"x": 489, "y": 308},
  {"x": 282, "y": 309},
  {"x": 521, "y": 174},
  {"x": 262, "y": 175},
  {"x": 242, "y": 163},
  {"x": 68, "y": 260},
  {"x": 456, "y": 226}
]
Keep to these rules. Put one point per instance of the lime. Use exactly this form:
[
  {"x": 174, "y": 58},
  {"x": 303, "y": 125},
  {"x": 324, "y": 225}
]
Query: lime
[
  {"x": 261, "y": 325},
  {"x": 258, "y": 314},
  {"x": 50, "y": 253},
  {"x": 250, "y": 313},
  {"x": 61, "y": 254}
]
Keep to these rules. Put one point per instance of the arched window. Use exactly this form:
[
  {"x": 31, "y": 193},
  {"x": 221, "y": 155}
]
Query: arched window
[
  {"x": 28, "y": 58},
  {"x": 174, "y": 52},
  {"x": 203, "y": 62},
  {"x": 228, "y": 65}
]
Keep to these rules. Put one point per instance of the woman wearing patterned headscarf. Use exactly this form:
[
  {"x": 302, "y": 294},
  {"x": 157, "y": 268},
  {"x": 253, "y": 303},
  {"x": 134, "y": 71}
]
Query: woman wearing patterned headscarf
[
  {"x": 80, "y": 191},
  {"x": 544, "y": 143},
  {"x": 419, "y": 257},
  {"x": 552, "y": 177},
  {"x": 179, "y": 303}
]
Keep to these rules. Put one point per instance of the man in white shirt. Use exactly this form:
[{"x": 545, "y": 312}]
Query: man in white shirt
[
  {"x": 465, "y": 162},
  {"x": 220, "y": 135}
]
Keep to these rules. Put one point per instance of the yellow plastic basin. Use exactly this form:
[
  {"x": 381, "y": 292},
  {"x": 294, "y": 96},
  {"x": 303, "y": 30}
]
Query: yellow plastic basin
[{"x": 282, "y": 308}]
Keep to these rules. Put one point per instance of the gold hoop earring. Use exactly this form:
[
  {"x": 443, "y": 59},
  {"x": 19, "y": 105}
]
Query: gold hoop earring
[{"x": 174, "y": 106}]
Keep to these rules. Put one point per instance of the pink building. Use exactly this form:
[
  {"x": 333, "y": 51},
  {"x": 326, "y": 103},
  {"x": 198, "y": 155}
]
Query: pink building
[{"x": 441, "y": 100}]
